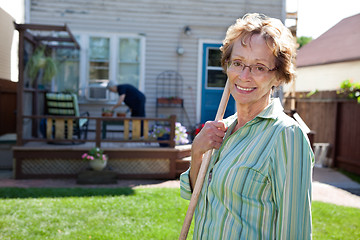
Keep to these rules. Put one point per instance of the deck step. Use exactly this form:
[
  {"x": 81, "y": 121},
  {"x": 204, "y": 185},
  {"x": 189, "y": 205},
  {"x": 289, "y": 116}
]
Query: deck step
[{"x": 182, "y": 165}]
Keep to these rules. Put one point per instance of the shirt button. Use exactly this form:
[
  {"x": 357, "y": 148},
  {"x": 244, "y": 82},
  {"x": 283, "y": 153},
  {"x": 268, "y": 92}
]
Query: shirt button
[{"x": 210, "y": 176}]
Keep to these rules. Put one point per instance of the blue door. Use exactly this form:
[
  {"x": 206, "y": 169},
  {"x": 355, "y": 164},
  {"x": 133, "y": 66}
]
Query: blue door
[{"x": 213, "y": 83}]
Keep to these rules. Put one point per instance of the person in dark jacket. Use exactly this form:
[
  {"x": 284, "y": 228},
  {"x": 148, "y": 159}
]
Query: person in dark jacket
[{"x": 131, "y": 96}]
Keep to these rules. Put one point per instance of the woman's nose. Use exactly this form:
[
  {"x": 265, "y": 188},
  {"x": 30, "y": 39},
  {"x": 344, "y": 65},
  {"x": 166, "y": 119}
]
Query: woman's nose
[{"x": 245, "y": 73}]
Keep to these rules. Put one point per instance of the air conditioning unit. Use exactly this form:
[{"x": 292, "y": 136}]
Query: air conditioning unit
[{"x": 97, "y": 93}]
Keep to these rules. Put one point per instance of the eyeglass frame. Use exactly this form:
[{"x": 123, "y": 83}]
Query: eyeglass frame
[{"x": 229, "y": 63}]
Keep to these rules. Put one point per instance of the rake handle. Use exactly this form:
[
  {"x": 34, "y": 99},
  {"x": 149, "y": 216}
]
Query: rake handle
[{"x": 203, "y": 168}]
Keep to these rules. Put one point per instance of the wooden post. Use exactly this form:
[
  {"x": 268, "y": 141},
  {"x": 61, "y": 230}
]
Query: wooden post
[
  {"x": 70, "y": 128},
  {"x": 49, "y": 127},
  {"x": 59, "y": 128},
  {"x": 146, "y": 129},
  {"x": 172, "y": 130},
  {"x": 126, "y": 129},
  {"x": 20, "y": 90},
  {"x": 136, "y": 129},
  {"x": 98, "y": 133}
]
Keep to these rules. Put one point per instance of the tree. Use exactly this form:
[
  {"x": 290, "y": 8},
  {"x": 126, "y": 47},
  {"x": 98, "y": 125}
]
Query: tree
[{"x": 303, "y": 41}]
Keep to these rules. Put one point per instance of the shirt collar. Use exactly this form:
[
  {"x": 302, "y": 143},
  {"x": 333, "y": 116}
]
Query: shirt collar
[{"x": 272, "y": 110}]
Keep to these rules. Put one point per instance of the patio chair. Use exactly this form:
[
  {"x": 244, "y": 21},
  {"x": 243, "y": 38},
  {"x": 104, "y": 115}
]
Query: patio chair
[
  {"x": 64, "y": 104},
  {"x": 321, "y": 155}
]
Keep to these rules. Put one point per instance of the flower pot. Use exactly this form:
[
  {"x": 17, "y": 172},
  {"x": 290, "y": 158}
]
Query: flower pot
[
  {"x": 164, "y": 137},
  {"x": 171, "y": 100},
  {"x": 107, "y": 114},
  {"x": 98, "y": 164},
  {"x": 120, "y": 114}
]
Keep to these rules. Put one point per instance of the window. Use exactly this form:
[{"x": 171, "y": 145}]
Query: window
[
  {"x": 99, "y": 59},
  {"x": 216, "y": 76},
  {"x": 102, "y": 57},
  {"x": 68, "y": 70},
  {"x": 128, "y": 68}
]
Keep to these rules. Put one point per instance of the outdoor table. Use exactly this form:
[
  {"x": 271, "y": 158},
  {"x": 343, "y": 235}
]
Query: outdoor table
[{"x": 109, "y": 123}]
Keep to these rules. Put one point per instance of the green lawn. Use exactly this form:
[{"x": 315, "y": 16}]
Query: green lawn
[{"x": 124, "y": 213}]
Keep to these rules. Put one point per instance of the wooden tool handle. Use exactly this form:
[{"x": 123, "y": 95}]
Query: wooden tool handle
[{"x": 203, "y": 168}]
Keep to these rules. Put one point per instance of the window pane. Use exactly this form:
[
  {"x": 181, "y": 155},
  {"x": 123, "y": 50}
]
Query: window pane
[
  {"x": 99, "y": 59},
  {"x": 128, "y": 68},
  {"x": 129, "y": 74},
  {"x": 214, "y": 58},
  {"x": 216, "y": 78},
  {"x": 67, "y": 77},
  {"x": 99, "y": 48},
  {"x": 129, "y": 50},
  {"x": 99, "y": 70}
]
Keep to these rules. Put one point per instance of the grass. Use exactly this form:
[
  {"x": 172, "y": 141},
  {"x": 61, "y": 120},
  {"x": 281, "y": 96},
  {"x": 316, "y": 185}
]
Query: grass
[
  {"x": 335, "y": 222},
  {"x": 352, "y": 176},
  {"x": 125, "y": 213},
  {"x": 48, "y": 213}
]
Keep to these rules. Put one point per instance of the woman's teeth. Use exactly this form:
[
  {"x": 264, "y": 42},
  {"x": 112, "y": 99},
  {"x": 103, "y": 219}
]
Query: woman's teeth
[{"x": 244, "y": 89}]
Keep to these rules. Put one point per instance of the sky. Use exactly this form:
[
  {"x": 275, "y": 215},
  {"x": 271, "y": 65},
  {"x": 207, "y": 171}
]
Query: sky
[{"x": 315, "y": 17}]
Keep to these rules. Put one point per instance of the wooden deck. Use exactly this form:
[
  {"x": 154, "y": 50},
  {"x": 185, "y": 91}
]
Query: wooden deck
[{"x": 127, "y": 160}]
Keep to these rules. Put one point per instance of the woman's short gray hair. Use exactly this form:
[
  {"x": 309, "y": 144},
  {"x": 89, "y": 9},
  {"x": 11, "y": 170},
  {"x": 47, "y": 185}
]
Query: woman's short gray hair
[{"x": 277, "y": 37}]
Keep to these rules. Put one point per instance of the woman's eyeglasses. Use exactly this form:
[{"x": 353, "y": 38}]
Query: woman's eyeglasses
[{"x": 257, "y": 69}]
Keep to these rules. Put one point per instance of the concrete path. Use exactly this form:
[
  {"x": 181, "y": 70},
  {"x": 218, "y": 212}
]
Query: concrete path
[{"x": 333, "y": 187}]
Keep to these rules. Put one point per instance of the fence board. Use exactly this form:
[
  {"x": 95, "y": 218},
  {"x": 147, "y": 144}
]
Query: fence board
[
  {"x": 348, "y": 137},
  {"x": 334, "y": 121}
]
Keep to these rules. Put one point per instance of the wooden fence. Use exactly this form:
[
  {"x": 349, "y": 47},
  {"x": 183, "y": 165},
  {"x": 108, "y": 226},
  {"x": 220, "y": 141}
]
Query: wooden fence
[{"x": 335, "y": 121}]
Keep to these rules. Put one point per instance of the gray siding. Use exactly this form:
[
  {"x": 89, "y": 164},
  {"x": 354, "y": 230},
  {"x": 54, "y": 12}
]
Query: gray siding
[{"x": 162, "y": 22}]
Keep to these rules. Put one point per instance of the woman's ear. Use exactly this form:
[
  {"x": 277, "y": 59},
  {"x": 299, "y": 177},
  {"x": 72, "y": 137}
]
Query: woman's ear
[{"x": 277, "y": 82}]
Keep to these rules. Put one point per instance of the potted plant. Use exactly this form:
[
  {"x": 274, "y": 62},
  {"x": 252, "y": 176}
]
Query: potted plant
[
  {"x": 107, "y": 113},
  {"x": 350, "y": 90},
  {"x": 170, "y": 100},
  {"x": 40, "y": 62},
  {"x": 161, "y": 132},
  {"x": 120, "y": 114},
  {"x": 96, "y": 158}
]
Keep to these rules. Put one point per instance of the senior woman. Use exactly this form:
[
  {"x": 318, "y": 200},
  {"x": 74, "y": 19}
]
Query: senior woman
[{"x": 258, "y": 184}]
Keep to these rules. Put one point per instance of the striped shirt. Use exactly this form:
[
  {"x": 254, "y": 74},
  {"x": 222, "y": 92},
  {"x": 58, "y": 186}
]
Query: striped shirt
[{"x": 258, "y": 184}]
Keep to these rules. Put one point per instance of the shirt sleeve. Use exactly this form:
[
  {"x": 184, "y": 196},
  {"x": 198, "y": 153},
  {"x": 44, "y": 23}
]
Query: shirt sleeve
[
  {"x": 292, "y": 178},
  {"x": 185, "y": 188}
]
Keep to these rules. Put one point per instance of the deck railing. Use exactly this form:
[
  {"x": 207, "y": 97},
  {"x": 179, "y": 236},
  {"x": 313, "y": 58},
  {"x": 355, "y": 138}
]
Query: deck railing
[{"x": 129, "y": 130}]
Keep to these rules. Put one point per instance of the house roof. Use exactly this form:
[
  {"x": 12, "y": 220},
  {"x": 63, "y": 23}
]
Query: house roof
[{"x": 340, "y": 43}]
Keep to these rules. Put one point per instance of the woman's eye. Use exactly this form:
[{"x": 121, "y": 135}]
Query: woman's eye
[
  {"x": 237, "y": 63},
  {"x": 260, "y": 68}
]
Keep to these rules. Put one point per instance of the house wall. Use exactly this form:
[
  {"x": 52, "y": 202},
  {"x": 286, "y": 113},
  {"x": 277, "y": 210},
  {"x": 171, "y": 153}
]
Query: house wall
[
  {"x": 326, "y": 77},
  {"x": 162, "y": 23},
  {"x": 6, "y": 29},
  {"x": 15, "y": 11}
]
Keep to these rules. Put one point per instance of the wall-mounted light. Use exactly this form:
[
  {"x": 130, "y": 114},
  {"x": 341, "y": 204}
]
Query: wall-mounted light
[
  {"x": 187, "y": 30},
  {"x": 180, "y": 51}
]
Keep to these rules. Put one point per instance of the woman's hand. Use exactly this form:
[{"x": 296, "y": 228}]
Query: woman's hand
[{"x": 211, "y": 136}]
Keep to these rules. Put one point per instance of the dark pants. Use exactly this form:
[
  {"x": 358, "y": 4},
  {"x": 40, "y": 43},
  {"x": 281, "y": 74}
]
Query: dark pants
[{"x": 139, "y": 111}]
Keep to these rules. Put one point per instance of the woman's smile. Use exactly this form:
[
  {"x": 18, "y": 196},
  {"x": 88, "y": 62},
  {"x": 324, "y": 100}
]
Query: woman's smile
[{"x": 245, "y": 89}]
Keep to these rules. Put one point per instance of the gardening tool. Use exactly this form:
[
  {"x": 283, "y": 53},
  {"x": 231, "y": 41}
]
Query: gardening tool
[{"x": 203, "y": 168}]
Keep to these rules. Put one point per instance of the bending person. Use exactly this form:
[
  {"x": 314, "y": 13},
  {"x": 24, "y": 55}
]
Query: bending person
[{"x": 131, "y": 96}]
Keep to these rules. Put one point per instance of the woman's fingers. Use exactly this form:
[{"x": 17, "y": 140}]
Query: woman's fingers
[{"x": 210, "y": 136}]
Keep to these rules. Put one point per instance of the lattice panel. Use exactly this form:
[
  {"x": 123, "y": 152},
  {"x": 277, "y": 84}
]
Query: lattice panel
[
  {"x": 140, "y": 166},
  {"x": 53, "y": 166}
]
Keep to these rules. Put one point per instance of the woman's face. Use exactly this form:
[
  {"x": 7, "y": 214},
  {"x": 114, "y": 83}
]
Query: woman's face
[{"x": 253, "y": 88}]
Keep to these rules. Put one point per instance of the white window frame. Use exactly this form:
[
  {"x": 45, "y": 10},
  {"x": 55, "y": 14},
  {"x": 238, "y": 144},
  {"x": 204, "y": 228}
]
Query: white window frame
[{"x": 84, "y": 40}]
